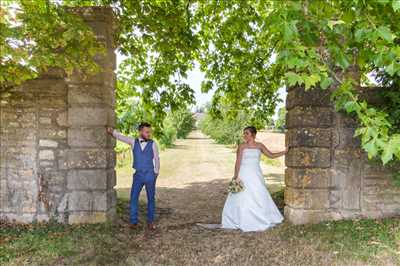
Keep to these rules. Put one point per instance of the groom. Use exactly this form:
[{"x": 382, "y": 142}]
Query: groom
[{"x": 146, "y": 162}]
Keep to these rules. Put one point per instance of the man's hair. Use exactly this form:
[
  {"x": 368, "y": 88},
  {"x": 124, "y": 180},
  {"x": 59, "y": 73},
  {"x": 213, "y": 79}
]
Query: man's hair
[
  {"x": 251, "y": 129},
  {"x": 143, "y": 125}
]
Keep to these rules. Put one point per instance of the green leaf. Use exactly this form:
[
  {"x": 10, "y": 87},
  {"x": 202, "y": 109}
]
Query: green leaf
[
  {"x": 325, "y": 83},
  {"x": 392, "y": 148},
  {"x": 293, "y": 79},
  {"x": 311, "y": 80},
  {"x": 351, "y": 106},
  {"x": 396, "y": 5},
  {"x": 289, "y": 30},
  {"x": 332, "y": 23},
  {"x": 390, "y": 69},
  {"x": 371, "y": 148},
  {"x": 387, "y": 155},
  {"x": 342, "y": 60},
  {"x": 385, "y": 33}
]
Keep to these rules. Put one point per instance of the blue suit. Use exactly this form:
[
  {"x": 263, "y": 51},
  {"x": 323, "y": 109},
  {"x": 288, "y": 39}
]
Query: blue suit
[{"x": 144, "y": 176}]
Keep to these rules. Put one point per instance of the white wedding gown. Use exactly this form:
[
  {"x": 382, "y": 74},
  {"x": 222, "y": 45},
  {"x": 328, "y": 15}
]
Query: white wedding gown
[{"x": 252, "y": 209}]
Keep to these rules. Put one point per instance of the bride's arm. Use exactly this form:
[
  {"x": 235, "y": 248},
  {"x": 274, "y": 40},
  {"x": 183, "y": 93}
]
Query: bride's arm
[
  {"x": 270, "y": 154},
  {"x": 238, "y": 160}
]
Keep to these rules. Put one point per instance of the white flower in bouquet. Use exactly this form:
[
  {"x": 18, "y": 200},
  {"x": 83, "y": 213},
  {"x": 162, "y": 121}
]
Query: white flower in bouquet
[{"x": 235, "y": 186}]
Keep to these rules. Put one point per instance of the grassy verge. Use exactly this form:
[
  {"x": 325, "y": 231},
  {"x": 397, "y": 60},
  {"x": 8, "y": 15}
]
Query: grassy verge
[
  {"x": 369, "y": 241},
  {"x": 53, "y": 243}
]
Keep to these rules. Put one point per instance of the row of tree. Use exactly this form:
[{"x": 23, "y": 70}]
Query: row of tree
[
  {"x": 131, "y": 112},
  {"x": 228, "y": 128}
]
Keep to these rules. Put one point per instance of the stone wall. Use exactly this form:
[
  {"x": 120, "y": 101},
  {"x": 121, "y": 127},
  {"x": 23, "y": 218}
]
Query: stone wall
[
  {"x": 328, "y": 176},
  {"x": 56, "y": 160}
]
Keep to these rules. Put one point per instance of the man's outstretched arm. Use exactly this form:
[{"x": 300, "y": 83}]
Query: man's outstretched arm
[
  {"x": 120, "y": 137},
  {"x": 156, "y": 159}
]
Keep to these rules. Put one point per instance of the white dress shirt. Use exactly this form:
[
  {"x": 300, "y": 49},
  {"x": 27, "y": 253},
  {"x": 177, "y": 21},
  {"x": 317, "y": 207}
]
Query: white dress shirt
[{"x": 131, "y": 141}]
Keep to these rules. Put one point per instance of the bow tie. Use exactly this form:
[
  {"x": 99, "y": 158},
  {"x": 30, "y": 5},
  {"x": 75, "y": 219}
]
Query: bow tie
[{"x": 143, "y": 140}]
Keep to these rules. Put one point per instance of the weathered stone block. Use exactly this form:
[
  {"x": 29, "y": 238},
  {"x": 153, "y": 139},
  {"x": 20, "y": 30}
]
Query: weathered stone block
[
  {"x": 295, "y": 198},
  {"x": 48, "y": 143},
  {"x": 317, "y": 199},
  {"x": 52, "y": 102},
  {"x": 46, "y": 155},
  {"x": 307, "y": 177},
  {"x": 347, "y": 168},
  {"x": 309, "y": 157},
  {"x": 18, "y": 217},
  {"x": 62, "y": 120},
  {"x": 351, "y": 198},
  {"x": 46, "y": 86},
  {"x": 87, "y": 201},
  {"x": 307, "y": 198},
  {"x": 89, "y": 116},
  {"x": 297, "y": 96},
  {"x": 300, "y": 117},
  {"x": 104, "y": 78},
  {"x": 111, "y": 199},
  {"x": 309, "y": 137},
  {"x": 87, "y": 179},
  {"x": 111, "y": 159},
  {"x": 111, "y": 178},
  {"x": 53, "y": 178},
  {"x": 45, "y": 120},
  {"x": 91, "y": 94},
  {"x": 87, "y": 217},
  {"x": 87, "y": 158},
  {"x": 87, "y": 137},
  {"x": 345, "y": 121},
  {"x": 335, "y": 199},
  {"x": 343, "y": 138},
  {"x": 52, "y": 133},
  {"x": 300, "y": 216}
]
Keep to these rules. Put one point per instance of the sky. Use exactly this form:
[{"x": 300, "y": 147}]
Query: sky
[{"x": 194, "y": 79}]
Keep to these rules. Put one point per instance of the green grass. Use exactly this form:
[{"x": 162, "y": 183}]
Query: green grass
[
  {"x": 53, "y": 243},
  {"x": 367, "y": 240},
  {"x": 370, "y": 241}
]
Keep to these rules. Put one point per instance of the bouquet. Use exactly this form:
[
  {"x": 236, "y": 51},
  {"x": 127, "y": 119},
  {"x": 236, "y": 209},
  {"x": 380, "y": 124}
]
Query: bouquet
[{"x": 235, "y": 186}]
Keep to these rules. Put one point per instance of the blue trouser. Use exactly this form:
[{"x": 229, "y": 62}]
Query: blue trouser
[{"x": 143, "y": 178}]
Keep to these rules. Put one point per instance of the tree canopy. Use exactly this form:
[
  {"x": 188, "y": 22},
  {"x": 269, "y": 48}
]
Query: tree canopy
[{"x": 247, "y": 50}]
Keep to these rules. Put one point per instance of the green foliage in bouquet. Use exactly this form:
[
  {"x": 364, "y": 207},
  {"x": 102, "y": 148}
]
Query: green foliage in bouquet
[{"x": 235, "y": 186}]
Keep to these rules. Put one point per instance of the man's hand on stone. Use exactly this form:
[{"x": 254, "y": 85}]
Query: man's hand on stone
[{"x": 110, "y": 130}]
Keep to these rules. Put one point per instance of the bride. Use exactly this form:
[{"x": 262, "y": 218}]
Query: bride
[{"x": 252, "y": 209}]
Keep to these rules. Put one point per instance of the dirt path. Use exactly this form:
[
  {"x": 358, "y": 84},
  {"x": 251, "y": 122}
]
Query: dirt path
[
  {"x": 191, "y": 189},
  {"x": 193, "y": 178},
  {"x": 198, "y": 159}
]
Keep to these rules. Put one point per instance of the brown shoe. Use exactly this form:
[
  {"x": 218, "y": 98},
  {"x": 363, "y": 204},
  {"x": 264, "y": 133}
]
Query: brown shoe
[
  {"x": 132, "y": 226},
  {"x": 151, "y": 227}
]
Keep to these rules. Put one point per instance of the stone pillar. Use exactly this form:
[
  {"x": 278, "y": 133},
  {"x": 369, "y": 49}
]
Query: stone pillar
[
  {"x": 309, "y": 137},
  {"x": 328, "y": 177},
  {"x": 56, "y": 160},
  {"x": 91, "y": 103},
  {"x": 33, "y": 144}
]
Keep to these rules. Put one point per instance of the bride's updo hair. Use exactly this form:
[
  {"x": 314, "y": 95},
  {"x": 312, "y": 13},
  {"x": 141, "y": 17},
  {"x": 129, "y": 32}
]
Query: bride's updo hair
[{"x": 251, "y": 129}]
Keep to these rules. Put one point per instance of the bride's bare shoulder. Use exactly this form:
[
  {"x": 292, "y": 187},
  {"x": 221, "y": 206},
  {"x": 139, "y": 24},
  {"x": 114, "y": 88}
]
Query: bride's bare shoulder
[
  {"x": 241, "y": 146},
  {"x": 259, "y": 145}
]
